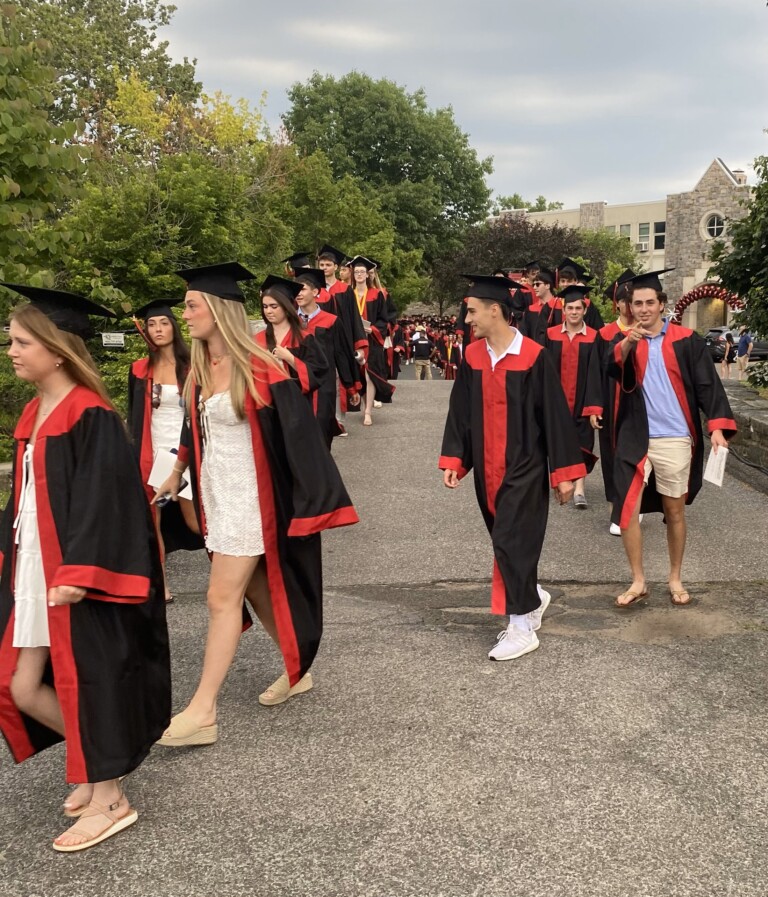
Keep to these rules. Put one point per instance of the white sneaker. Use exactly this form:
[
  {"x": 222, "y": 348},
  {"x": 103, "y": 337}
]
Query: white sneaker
[
  {"x": 512, "y": 643},
  {"x": 615, "y": 529},
  {"x": 376, "y": 403},
  {"x": 535, "y": 615}
]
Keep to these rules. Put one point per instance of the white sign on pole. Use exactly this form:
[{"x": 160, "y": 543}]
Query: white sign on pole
[{"x": 114, "y": 340}]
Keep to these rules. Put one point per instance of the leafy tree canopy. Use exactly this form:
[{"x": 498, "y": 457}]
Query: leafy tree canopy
[
  {"x": 742, "y": 264},
  {"x": 429, "y": 180},
  {"x": 96, "y": 43},
  {"x": 516, "y": 201}
]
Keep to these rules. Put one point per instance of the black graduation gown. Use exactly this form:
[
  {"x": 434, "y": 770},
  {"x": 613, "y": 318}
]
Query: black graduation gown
[
  {"x": 329, "y": 332},
  {"x": 699, "y": 391},
  {"x": 300, "y": 495},
  {"x": 395, "y": 352},
  {"x": 449, "y": 360},
  {"x": 176, "y": 534},
  {"x": 341, "y": 302},
  {"x": 610, "y": 387},
  {"x": 376, "y": 315},
  {"x": 574, "y": 365},
  {"x": 109, "y": 658},
  {"x": 513, "y": 426}
]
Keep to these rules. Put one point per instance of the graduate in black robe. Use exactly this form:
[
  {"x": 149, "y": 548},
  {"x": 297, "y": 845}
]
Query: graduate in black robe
[
  {"x": 91, "y": 666},
  {"x": 175, "y": 532},
  {"x": 510, "y": 424},
  {"x": 699, "y": 391},
  {"x": 261, "y": 525},
  {"x": 329, "y": 333},
  {"x": 572, "y": 354}
]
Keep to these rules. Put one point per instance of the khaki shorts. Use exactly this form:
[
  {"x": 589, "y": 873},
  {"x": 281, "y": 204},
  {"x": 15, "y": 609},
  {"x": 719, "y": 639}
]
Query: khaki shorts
[{"x": 669, "y": 457}]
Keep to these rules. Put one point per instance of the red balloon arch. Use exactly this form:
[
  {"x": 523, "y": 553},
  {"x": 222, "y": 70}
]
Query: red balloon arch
[{"x": 707, "y": 291}]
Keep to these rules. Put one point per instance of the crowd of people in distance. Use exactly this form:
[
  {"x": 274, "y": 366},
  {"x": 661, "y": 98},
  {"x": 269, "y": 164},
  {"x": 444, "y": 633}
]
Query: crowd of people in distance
[{"x": 228, "y": 448}]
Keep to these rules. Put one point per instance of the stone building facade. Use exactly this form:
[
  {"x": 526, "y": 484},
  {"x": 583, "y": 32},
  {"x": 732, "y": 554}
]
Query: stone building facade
[{"x": 673, "y": 233}]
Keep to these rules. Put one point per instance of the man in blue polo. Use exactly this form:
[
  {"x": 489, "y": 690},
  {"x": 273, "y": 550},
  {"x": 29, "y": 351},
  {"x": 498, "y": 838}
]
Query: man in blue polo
[
  {"x": 744, "y": 351},
  {"x": 666, "y": 381}
]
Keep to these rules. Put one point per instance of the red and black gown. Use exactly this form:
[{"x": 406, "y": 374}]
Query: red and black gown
[
  {"x": 340, "y": 300},
  {"x": 450, "y": 359},
  {"x": 699, "y": 391},
  {"x": 329, "y": 332},
  {"x": 513, "y": 426},
  {"x": 580, "y": 379},
  {"x": 395, "y": 351},
  {"x": 311, "y": 362},
  {"x": 300, "y": 495},
  {"x": 176, "y": 534},
  {"x": 109, "y": 658},
  {"x": 551, "y": 315},
  {"x": 607, "y": 336},
  {"x": 373, "y": 308}
]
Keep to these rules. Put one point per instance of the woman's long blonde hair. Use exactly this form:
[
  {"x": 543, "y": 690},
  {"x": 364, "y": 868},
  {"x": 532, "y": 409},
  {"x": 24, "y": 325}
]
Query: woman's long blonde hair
[
  {"x": 232, "y": 323},
  {"x": 77, "y": 362}
]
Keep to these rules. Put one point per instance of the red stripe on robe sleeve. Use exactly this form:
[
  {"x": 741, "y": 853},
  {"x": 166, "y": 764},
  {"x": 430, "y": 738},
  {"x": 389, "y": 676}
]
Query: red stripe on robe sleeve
[
  {"x": 118, "y": 587},
  {"x": 565, "y": 474},
  {"x": 446, "y": 463}
]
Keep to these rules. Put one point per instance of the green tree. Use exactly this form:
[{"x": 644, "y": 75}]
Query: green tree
[
  {"x": 96, "y": 44},
  {"x": 512, "y": 241},
  {"x": 428, "y": 178},
  {"x": 516, "y": 201},
  {"x": 742, "y": 263},
  {"x": 39, "y": 165}
]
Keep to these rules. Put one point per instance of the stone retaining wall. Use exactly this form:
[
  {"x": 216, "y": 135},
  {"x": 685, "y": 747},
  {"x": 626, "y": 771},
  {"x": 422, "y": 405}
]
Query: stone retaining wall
[{"x": 751, "y": 440}]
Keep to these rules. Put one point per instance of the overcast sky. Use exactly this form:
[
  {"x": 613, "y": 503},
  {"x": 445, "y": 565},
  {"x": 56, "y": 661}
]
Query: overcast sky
[{"x": 597, "y": 100}]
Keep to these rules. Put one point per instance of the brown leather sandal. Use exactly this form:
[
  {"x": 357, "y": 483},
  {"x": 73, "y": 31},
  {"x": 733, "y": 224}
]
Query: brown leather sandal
[
  {"x": 633, "y": 596},
  {"x": 116, "y": 824}
]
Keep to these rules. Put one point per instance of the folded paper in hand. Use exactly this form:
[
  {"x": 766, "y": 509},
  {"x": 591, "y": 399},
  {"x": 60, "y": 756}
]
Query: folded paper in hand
[
  {"x": 715, "y": 469},
  {"x": 162, "y": 469}
]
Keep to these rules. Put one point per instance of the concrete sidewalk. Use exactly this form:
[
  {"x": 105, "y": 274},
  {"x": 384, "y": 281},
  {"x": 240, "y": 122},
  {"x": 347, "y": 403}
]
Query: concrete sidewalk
[{"x": 626, "y": 757}]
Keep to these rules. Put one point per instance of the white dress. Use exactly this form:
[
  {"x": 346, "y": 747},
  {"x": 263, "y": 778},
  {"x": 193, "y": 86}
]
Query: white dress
[
  {"x": 30, "y": 627},
  {"x": 228, "y": 487},
  {"x": 167, "y": 419}
]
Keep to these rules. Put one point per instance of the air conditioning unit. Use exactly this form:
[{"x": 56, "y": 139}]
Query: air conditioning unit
[{"x": 642, "y": 247}]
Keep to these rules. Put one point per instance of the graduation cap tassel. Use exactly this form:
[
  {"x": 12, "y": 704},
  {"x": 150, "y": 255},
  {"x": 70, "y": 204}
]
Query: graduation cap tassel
[{"x": 143, "y": 335}]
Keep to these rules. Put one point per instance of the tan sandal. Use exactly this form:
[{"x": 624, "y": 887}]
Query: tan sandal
[
  {"x": 280, "y": 690},
  {"x": 76, "y": 812},
  {"x": 116, "y": 824},
  {"x": 185, "y": 732},
  {"x": 675, "y": 596},
  {"x": 634, "y": 597}
]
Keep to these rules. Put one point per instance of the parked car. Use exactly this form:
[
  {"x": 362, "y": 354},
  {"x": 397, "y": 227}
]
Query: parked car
[{"x": 715, "y": 340}]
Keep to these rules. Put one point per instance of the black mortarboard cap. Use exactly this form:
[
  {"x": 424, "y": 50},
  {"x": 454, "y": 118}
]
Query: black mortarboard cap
[
  {"x": 532, "y": 265},
  {"x": 376, "y": 263},
  {"x": 580, "y": 270},
  {"x": 289, "y": 288},
  {"x": 336, "y": 254},
  {"x": 489, "y": 286},
  {"x": 648, "y": 280},
  {"x": 66, "y": 310},
  {"x": 363, "y": 261},
  {"x": 297, "y": 260},
  {"x": 573, "y": 292},
  {"x": 313, "y": 276},
  {"x": 219, "y": 280},
  {"x": 157, "y": 308},
  {"x": 547, "y": 275},
  {"x": 613, "y": 290}
]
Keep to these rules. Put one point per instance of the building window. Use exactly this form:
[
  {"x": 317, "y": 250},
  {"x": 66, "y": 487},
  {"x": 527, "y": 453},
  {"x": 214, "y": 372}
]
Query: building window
[
  {"x": 659, "y": 234},
  {"x": 644, "y": 233},
  {"x": 611, "y": 228},
  {"x": 715, "y": 226},
  {"x": 625, "y": 230}
]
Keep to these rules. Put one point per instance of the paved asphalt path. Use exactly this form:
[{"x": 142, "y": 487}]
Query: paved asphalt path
[{"x": 626, "y": 757}]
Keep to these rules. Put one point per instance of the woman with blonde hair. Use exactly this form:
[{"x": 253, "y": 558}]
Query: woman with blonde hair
[
  {"x": 83, "y": 643},
  {"x": 265, "y": 487}
]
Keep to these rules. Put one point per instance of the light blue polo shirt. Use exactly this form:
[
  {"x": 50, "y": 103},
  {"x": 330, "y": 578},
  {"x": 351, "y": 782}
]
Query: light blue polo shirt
[{"x": 665, "y": 416}]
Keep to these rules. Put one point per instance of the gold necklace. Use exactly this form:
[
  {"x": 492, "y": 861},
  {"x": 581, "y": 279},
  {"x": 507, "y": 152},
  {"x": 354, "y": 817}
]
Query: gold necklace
[{"x": 216, "y": 359}]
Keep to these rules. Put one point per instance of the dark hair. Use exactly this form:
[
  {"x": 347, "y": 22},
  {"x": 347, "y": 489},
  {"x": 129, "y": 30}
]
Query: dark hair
[
  {"x": 729, "y": 337},
  {"x": 545, "y": 277},
  {"x": 294, "y": 322},
  {"x": 506, "y": 311},
  {"x": 328, "y": 255},
  {"x": 581, "y": 299},
  {"x": 181, "y": 353}
]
